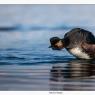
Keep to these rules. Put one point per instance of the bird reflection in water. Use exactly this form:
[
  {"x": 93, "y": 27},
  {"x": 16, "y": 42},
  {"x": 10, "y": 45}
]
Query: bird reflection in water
[{"x": 75, "y": 75}]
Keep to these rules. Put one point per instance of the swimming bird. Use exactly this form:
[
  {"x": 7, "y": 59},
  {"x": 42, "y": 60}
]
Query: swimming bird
[{"x": 78, "y": 42}]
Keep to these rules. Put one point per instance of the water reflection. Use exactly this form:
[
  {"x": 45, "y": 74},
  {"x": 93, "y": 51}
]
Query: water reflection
[{"x": 76, "y": 75}]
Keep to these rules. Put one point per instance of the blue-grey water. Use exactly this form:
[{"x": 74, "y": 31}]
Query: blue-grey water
[{"x": 26, "y": 62}]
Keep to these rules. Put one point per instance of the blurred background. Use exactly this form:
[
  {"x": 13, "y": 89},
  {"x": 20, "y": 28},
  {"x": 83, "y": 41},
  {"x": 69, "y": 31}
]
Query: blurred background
[
  {"x": 26, "y": 62},
  {"x": 44, "y": 21},
  {"x": 47, "y": 16}
]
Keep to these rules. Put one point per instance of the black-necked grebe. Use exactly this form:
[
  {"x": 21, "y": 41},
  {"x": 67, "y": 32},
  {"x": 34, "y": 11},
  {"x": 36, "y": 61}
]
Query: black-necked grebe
[{"x": 78, "y": 42}]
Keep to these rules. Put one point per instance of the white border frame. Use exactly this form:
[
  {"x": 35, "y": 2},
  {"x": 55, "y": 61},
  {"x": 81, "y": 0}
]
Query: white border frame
[{"x": 47, "y": 1}]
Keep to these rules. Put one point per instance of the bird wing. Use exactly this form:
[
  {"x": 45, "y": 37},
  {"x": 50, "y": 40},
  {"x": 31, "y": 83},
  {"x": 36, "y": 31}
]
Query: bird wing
[{"x": 89, "y": 48}]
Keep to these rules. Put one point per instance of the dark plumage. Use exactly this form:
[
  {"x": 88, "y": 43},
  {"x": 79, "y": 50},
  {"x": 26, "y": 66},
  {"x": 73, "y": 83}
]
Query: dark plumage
[
  {"x": 79, "y": 42},
  {"x": 78, "y": 36},
  {"x": 89, "y": 49}
]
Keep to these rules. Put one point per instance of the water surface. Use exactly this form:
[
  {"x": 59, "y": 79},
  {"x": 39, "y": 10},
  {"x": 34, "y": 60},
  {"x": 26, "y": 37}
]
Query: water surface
[{"x": 26, "y": 62}]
